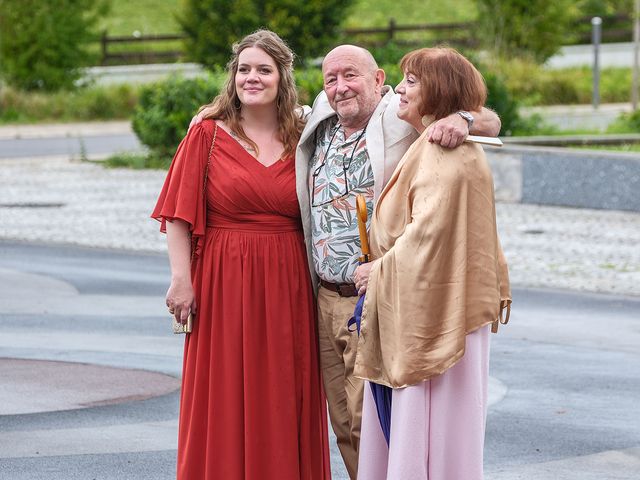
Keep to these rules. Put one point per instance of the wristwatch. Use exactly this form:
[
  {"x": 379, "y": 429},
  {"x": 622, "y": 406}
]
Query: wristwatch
[{"x": 467, "y": 116}]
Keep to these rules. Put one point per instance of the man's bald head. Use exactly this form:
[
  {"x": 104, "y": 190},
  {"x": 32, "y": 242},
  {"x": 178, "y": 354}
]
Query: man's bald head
[
  {"x": 353, "y": 84},
  {"x": 353, "y": 51}
]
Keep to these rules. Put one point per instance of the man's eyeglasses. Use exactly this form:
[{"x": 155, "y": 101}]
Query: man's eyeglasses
[{"x": 345, "y": 169}]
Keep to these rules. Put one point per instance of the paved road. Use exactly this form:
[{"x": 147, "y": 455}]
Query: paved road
[
  {"x": 92, "y": 140},
  {"x": 565, "y": 374},
  {"x": 93, "y": 307},
  {"x": 76, "y": 146},
  {"x": 612, "y": 55}
]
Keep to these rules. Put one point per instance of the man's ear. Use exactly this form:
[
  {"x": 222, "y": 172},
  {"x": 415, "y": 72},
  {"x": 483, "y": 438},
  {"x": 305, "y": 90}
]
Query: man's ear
[{"x": 380, "y": 76}]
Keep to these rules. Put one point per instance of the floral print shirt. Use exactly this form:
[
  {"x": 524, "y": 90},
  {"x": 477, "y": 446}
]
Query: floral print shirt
[{"x": 340, "y": 169}]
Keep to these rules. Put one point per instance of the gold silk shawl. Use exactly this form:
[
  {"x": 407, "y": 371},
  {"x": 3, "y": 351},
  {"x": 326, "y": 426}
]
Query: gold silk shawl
[{"x": 439, "y": 273}]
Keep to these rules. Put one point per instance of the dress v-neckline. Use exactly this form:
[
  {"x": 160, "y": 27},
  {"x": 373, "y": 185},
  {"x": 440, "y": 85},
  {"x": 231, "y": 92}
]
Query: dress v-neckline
[{"x": 279, "y": 160}]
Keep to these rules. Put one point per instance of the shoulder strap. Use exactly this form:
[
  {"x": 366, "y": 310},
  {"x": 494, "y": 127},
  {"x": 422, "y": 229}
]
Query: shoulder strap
[
  {"x": 206, "y": 168},
  {"x": 204, "y": 186}
]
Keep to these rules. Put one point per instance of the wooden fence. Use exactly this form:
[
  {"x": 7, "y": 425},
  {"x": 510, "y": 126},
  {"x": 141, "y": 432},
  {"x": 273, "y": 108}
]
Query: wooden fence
[
  {"x": 137, "y": 49},
  {"x": 616, "y": 28},
  {"x": 455, "y": 34}
]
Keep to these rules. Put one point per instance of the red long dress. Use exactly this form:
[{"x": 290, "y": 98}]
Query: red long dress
[{"x": 252, "y": 405}]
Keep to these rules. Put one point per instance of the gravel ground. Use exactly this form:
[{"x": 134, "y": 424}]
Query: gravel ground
[{"x": 63, "y": 201}]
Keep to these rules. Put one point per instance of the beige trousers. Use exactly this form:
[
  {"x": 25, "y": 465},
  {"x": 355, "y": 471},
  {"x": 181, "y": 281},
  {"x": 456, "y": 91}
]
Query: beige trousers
[{"x": 337, "y": 358}]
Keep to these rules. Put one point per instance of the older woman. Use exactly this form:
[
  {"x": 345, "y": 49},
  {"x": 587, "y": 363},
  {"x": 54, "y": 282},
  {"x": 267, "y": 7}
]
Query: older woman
[
  {"x": 252, "y": 405},
  {"x": 438, "y": 281}
]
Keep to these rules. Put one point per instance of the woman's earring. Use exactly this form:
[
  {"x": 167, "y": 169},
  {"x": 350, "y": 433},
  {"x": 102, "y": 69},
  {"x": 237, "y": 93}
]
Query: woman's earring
[{"x": 426, "y": 121}]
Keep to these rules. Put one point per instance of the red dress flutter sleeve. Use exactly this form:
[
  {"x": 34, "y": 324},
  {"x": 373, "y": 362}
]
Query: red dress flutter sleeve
[{"x": 182, "y": 195}]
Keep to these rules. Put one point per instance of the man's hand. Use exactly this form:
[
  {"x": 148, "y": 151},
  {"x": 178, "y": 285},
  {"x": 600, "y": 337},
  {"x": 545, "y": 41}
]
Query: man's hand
[
  {"x": 448, "y": 132},
  {"x": 200, "y": 116},
  {"x": 451, "y": 131}
]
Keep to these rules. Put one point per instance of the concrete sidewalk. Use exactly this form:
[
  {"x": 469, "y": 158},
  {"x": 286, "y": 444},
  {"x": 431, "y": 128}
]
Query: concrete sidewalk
[{"x": 619, "y": 54}]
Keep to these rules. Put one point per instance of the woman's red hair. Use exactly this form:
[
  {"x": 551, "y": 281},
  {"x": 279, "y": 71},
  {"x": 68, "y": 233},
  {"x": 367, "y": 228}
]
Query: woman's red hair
[{"x": 448, "y": 81}]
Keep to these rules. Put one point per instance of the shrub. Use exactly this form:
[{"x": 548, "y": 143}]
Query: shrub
[
  {"x": 533, "y": 84},
  {"x": 626, "y": 123},
  {"x": 165, "y": 108},
  {"x": 137, "y": 161},
  {"x": 106, "y": 102},
  {"x": 500, "y": 100},
  {"x": 212, "y": 26},
  {"x": 310, "y": 84},
  {"x": 393, "y": 74},
  {"x": 43, "y": 45},
  {"x": 521, "y": 77},
  {"x": 532, "y": 28},
  {"x": 390, "y": 53},
  {"x": 88, "y": 103}
]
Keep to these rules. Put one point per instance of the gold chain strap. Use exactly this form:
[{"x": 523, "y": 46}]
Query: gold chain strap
[
  {"x": 206, "y": 168},
  {"x": 204, "y": 186}
]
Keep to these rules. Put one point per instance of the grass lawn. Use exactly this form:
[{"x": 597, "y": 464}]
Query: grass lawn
[
  {"x": 376, "y": 13},
  {"x": 146, "y": 16},
  {"x": 158, "y": 16}
]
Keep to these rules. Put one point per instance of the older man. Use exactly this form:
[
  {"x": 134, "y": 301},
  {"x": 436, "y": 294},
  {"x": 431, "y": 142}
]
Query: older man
[{"x": 351, "y": 144}]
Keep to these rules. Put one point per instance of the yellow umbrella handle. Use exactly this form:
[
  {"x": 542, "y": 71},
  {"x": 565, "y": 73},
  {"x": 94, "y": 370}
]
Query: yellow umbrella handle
[{"x": 361, "y": 210}]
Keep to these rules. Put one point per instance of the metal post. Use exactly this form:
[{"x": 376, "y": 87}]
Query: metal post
[
  {"x": 596, "y": 31},
  {"x": 636, "y": 49}
]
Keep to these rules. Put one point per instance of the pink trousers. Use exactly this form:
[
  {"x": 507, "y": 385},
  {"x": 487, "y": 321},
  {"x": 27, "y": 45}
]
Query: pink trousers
[{"x": 437, "y": 426}]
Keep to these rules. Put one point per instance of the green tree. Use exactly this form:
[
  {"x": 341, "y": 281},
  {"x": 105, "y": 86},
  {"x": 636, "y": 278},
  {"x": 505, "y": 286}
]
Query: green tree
[
  {"x": 613, "y": 21},
  {"x": 212, "y": 26},
  {"x": 43, "y": 45},
  {"x": 605, "y": 7},
  {"x": 534, "y": 28},
  {"x": 164, "y": 109}
]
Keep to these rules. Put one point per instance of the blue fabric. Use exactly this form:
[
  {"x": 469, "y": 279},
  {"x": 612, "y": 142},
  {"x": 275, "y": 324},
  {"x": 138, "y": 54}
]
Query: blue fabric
[
  {"x": 381, "y": 393},
  {"x": 382, "y": 397},
  {"x": 357, "y": 316}
]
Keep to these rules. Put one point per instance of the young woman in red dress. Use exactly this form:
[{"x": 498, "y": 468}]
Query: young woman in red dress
[{"x": 252, "y": 405}]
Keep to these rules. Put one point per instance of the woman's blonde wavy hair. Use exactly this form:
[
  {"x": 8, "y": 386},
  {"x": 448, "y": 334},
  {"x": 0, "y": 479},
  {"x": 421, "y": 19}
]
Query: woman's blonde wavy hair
[{"x": 226, "y": 106}]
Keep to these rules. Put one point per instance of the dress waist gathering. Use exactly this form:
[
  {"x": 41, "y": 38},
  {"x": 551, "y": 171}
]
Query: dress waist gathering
[{"x": 256, "y": 223}]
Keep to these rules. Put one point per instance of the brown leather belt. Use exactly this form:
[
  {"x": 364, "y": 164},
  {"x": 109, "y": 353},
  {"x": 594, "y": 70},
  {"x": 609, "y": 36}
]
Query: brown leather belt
[{"x": 342, "y": 289}]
